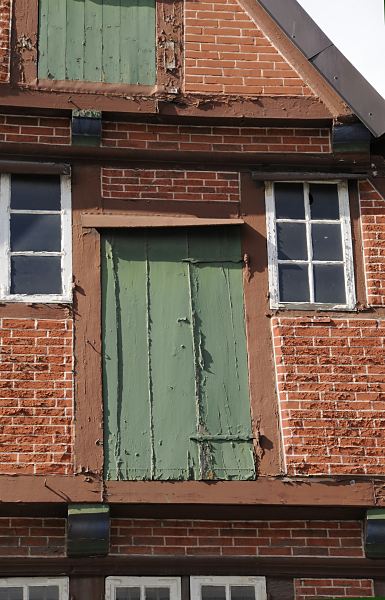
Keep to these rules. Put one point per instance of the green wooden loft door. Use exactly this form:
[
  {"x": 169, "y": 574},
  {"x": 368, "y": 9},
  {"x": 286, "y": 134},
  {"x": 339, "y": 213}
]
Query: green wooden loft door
[
  {"x": 110, "y": 41},
  {"x": 175, "y": 378}
]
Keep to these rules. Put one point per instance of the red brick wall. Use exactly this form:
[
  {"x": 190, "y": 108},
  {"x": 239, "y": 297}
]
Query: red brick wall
[
  {"x": 373, "y": 235},
  {"x": 42, "y": 130},
  {"x": 226, "y": 52},
  {"x": 138, "y": 184},
  {"x": 32, "y": 537},
  {"x": 5, "y": 18},
  {"x": 35, "y": 396},
  {"x": 236, "y": 538},
  {"x": 333, "y": 588},
  {"x": 331, "y": 383},
  {"x": 219, "y": 139}
]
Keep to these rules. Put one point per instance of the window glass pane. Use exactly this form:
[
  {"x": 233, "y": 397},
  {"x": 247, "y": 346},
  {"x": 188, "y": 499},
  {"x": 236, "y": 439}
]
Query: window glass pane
[
  {"x": 213, "y": 592},
  {"x": 289, "y": 201},
  {"x": 35, "y": 192},
  {"x": 323, "y": 199},
  {"x": 291, "y": 241},
  {"x": 36, "y": 233},
  {"x": 242, "y": 592},
  {"x": 327, "y": 242},
  {"x": 128, "y": 593},
  {"x": 36, "y": 275},
  {"x": 294, "y": 283},
  {"x": 329, "y": 284},
  {"x": 49, "y": 592},
  {"x": 11, "y": 593},
  {"x": 154, "y": 593}
]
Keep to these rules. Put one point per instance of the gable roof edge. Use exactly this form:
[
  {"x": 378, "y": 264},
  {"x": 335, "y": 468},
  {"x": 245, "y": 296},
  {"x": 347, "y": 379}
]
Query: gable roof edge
[{"x": 343, "y": 77}]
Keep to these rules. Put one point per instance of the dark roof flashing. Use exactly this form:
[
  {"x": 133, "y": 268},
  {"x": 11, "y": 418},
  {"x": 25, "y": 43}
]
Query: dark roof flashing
[{"x": 364, "y": 100}]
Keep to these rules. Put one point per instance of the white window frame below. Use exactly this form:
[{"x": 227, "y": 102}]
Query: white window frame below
[
  {"x": 27, "y": 582},
  {"x": 272, "y": 248},
  {"x": 172, "y": 583},
  {"x": 259, "y": 584},
  {"x": 66, "y": 244}
]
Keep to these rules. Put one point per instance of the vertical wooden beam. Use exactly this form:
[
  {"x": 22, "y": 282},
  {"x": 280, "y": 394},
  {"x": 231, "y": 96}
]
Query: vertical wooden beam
[
  {"x": 169, "y": 44},
  {"x": 87, "y": 310},
  {"x": 358, "y": 257},
  {"x": 24, "y": 41},
  {"x": 280, "y": 589},
  {"x": 83, "y": 588},
  {"x": 264, "y": 403}
]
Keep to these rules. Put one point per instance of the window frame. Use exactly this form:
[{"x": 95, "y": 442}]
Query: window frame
[
  {"x": 259, "y": 584},
  {"x": 347, "y": 247},
  {"x": 5, "y": 243},
  {"x": 113, "y": 583},
  {"x": 27, "y": 582}
]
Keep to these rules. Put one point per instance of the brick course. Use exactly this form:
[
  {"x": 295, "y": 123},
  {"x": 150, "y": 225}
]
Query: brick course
[
  {"x": 373, "y": 236},
  {"x": 5, "y": 19},
  {"x": 29, "y": 536},
  {"x": 32, "y": 130},
  {"x": 155, "y": 136},
  {"x": 236, "y": 538},
  {"x": 36, "y": 388},
  {"x": 227, "y": 53},
  {"x": 331, "y": 385},
  {"x": 138, "y": 184},
  {"x": 333, "y": 588}
]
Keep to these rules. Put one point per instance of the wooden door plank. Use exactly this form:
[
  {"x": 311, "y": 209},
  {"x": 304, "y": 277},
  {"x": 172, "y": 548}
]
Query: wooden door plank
[
  {"x": 125, "y": 352},
  {"x": 43, "y": 40},
  {"x": 146, "y": 42},
  {"x": 93, "y": 27},
  {"x": 129, "y": 40},
  {"x": 111, "y": 41},
  {"x": 172, "y": 358},
  {"x": 57, "y": 18},
  {"x": 221, "y": 357},
  {"x": 75, "y": 40}
]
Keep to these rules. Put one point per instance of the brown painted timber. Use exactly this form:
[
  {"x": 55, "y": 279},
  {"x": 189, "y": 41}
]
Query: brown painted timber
[
  {"x": 135, "y": 221},
  {"x": 279, "y": 568},
  {"x": 321, "y": 163},
  {"x": 86, "y": 487}
]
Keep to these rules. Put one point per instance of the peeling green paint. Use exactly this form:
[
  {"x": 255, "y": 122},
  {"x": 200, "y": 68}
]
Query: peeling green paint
[
  {"x": 110, "y": 41},
  {"x": 175, "y": 375}
]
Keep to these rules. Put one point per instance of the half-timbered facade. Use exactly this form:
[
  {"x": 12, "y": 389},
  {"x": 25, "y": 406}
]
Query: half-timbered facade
[{"x": 192, "y": 293}]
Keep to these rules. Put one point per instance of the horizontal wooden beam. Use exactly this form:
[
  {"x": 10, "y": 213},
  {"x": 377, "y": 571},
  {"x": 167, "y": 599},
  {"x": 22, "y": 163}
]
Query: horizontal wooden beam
[
  {"x": 193, "y": 565},
  {"x": 265, "y": 491},
  {"x": 39, "y": 168},
  {"x": 138, "y": 221},
  {"x": 301, "y": 176},
  {"x": 319, "y": 162},
  {"x": 198, "y": 106}
]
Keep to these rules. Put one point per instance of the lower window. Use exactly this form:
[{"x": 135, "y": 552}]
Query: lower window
[
  {"x": 228, "y": 588},
  {"x": 143, "y": 588},
  {"x": 33, "y": 588}
]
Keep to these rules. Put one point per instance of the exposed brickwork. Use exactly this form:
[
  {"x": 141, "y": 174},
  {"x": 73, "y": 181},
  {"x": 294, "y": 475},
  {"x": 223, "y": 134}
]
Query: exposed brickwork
[
  {"x": 306, "y": 589},
  {"x": 5, "y": 21},
  {"x": 236, "y": 538},
  {"x": 226, "y": 52},
  {"x": 35, "y": 396},
  {"x": 32, "y": 537},
  {"x": 331, "y": 383},
  {"x": 373, "y": 235},
  {"x": 42, "y": 130},
  {"x": 154, "y": 136},
  {"x": 170, "y": 185}
]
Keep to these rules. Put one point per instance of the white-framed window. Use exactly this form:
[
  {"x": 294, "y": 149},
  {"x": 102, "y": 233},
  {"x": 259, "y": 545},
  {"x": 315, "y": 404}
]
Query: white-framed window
[
  {"x": 228, "y": 588},
  {"x": 34, "y": 588},
  {"x": 35, "y": 238},
  {"x": 309, "y": 245},
  {"x": 143, "y": 588}
]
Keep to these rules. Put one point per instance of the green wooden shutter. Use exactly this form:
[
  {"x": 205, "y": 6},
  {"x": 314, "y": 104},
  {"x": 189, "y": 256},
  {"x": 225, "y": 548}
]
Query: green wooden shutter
[
  {"x": 97, "y": 40},
  {"x": 175, "y": 379}
]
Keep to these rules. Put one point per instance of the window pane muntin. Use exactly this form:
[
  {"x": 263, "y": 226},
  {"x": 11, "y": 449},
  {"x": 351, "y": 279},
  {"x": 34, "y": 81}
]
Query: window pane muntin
[{"x": 347, "y": 258}]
